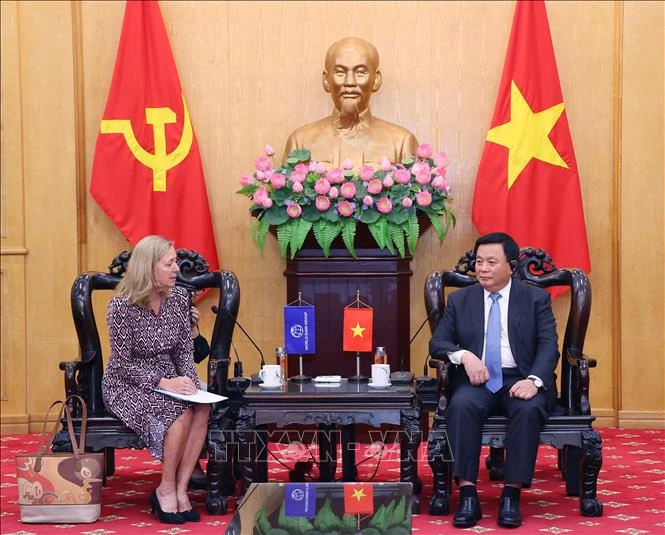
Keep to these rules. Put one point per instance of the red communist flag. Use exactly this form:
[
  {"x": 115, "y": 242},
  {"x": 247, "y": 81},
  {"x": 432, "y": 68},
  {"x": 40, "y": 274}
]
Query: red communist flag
[
  {"x": 528, "y": 184},
  {"x": 147, "y": 174},
  {"x": 358, "y": 498},
  {"x": 357, "y": 329}
]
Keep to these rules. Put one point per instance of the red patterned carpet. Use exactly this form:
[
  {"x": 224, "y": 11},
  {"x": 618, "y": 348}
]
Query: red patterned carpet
[{"x": 631, "y": 486}]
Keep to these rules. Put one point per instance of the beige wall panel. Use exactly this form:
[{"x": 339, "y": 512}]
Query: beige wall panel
[
  {"x": 13, "y": 399},
  {"x": 50, "y": 187},
  {"x": 251, "y": 72},
  {"x": 642, "y": 298},
  {"x": 439, "y": 80},
  {"x": 11, "y": 170}
]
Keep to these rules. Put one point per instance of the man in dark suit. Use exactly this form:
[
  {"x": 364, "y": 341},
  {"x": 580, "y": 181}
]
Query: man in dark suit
[{"x": 501, "y": 334}]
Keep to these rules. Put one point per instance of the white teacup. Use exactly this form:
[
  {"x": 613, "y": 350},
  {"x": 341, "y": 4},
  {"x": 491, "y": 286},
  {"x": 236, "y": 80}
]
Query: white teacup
[
  {"x": 380, "y": 374},
  {"x": 270, "y": 375}
]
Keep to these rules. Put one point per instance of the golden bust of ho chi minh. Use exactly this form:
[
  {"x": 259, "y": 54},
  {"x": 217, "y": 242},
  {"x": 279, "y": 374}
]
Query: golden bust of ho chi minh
[{"x": 351, "y": 75}]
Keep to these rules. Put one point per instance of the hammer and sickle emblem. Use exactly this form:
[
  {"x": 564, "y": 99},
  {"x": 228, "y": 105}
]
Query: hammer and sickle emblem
[{"x": 160, "y": 161}]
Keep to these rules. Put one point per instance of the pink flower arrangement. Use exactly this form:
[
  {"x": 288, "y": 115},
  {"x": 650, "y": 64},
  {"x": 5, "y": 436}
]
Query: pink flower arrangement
[{"x": 303, "y": 195}]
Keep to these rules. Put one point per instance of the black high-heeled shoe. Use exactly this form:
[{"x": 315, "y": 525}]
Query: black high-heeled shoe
[
  {"x": 164, "y": 517},
  {"x": 191, "y": 515}
]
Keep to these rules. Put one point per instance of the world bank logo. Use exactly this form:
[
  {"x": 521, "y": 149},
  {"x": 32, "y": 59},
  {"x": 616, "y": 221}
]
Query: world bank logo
[
  {"x": 297, "y": 330},
  {"x": 298, "y": 495}
]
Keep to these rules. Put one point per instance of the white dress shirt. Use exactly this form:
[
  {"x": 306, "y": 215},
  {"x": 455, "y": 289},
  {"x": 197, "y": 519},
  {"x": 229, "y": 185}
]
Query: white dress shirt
[{"x": 507, "y": 359}]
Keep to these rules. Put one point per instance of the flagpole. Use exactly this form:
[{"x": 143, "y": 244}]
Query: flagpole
[
  {"x": 357, "y": 378},
  {"x": 301, "y": 377}
]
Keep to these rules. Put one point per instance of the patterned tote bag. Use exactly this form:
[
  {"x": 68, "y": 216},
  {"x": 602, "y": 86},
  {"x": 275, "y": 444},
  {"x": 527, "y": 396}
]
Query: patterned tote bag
[{"x": 60, "y": 487}]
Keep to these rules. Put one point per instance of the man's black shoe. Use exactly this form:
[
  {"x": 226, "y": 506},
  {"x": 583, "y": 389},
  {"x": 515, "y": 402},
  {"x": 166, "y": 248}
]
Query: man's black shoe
[
  {"x": 468, "y": 512},
  {"x": 509, "y": 513}
]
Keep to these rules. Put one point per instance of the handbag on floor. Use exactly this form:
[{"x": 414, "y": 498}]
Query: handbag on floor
[{"x": 60, "y": 487}]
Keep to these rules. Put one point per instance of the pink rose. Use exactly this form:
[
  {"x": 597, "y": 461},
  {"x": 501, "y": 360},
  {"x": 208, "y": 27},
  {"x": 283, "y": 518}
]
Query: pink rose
[
  {"x": 333, "y": 193},
  {"x": 298, "y": 176},
  {"x": 423, "y": 178},
  {"x": 301, "y": 168},
  {"x": 335, "y": 176},
  {"x": 312, "y": 166},
  {"x": 368, "y": 201},
  {"x": 384, "y": 205},
  {"x": 366, "y": 172},
  {"x": 320, "y": 168},
  {"x": 322, "y": 186},
  {"x": 441, "y": 159},
  {"x": 297, "y": 187},
  {"x": 268, "y": 150},
  {"x": 443, "y": 171},
  {"x": 266, "y": 203},
  {"x": 322, "y": 203},
  {"x": 345, "y": 209},
  {"x": 385, "y": 164},
  {"x": 424, "y": 198},
  {"x": 278, "y": 180},
  {"x": 260, "y": 175},
  {"x": 420, "y": 167},
  {"x": 439, "y": 183},
  {"x": 348, "y": 190},
  {"x": 294, "y": 210},
  {"x": 424, "y": 150},
  {"x": 407, "y": 202},
  {"x": 388, "y": 182},
  {"x": 246, "y": 180},
  {"x": 374, "y": 186},
  {"x": 348, "y": 164},
  {"x": 262, "y": 163},
  {"x": 402, "y": 176},
  {"x": 259, "y": 195}
]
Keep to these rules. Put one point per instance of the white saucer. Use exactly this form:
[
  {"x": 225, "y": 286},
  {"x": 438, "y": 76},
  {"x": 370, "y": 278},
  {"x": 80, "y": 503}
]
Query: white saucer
[
  {"x": 372, "y": 385},
  {"x": 263, "y": 385}
]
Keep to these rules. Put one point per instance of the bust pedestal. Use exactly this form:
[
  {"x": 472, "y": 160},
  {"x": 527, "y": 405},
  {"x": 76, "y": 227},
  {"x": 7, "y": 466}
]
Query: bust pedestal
[{"x": 331, "y": 283}]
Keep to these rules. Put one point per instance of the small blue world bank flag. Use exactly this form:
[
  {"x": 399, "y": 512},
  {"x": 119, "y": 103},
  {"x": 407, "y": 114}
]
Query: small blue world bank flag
[
  {"x": 299, "y": 330},
  {"x": 300, "y": 500}
]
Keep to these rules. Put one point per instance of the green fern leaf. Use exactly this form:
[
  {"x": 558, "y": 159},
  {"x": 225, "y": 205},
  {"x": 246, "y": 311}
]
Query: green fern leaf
[
  {"x": 349, "y": 235},
  {"x": 300, "y": 230},
  {"x": 436, "y": 223},
  {"x": 397, "y": 237},
  {"x": 259, "y": 231},
  {"x": 284, "y": 233},
  {"x": 325, "y": 232},
  {"x": 412, "y": 229},
  {"x": 379, "y": 232}
]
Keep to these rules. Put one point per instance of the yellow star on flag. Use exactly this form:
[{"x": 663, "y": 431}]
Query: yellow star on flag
[
  {"x": 358, "y": 494},
  {"x": 358, "y": 330},
  {"x": 526, "y": 135}
]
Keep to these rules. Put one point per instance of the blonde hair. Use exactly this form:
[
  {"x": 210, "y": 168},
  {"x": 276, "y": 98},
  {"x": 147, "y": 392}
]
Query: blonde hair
[{"x": 139, "y": 281}]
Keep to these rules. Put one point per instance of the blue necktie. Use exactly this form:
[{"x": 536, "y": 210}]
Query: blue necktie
[{"x": 493, "y": 345}]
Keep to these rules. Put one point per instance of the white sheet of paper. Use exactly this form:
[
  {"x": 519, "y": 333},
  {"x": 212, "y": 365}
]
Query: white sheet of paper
[{"x": 200, "y": 397}]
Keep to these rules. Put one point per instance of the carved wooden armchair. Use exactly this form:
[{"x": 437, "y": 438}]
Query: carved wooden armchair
[
  {"x": 569, "y": 429},
  {"x": 84, "y": 377}
]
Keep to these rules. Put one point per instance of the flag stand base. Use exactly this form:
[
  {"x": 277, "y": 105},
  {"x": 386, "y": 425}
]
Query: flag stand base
[
  {"x": 358, "y": 379},
  {"x": 301, "y": 378}
]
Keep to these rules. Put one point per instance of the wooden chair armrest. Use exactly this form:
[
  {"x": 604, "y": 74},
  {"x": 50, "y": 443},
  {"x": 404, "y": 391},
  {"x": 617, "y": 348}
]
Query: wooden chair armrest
[
  {"x": 580, "y": 364},
  {"x": 442, "y": 366},
  {"x": 71, "y": 388}
]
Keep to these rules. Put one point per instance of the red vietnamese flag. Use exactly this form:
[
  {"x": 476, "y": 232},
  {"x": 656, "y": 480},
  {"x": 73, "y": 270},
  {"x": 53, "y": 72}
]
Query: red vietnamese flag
[
  {"x": 358, "y": 498},
  {"x": 357, "y": 329},
  {"x": 147, "y": 174},
  {"x": 527, "y": 183}
]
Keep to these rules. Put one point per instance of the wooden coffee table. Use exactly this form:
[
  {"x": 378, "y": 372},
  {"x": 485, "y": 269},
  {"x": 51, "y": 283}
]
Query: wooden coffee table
[{"x": 328, "y": 408}]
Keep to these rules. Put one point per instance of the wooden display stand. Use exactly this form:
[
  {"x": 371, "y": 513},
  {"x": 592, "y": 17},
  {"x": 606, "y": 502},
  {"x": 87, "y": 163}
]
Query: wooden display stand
[{"x": 331, "y": 283}]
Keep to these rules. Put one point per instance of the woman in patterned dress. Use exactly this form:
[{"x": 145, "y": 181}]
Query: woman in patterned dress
[{"x": 151, "y": 347}]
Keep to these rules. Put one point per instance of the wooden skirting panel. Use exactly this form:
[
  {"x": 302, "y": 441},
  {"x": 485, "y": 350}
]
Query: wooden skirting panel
[
  {"x": 642, "y": 419},
  {"x": 14, "y": 424}
]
